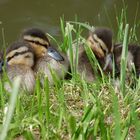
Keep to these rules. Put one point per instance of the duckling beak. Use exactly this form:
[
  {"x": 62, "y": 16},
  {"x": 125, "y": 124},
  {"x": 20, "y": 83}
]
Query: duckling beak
[
  {"x": 108, "y": 62},
  {"x": 55, "y": 54}
]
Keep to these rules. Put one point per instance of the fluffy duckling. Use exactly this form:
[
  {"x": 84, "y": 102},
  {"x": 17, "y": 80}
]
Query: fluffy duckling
[
  {"x": 100, "y": 41},
  {"x": 133, "y": 57},
  {"x": 19, "y": 62},
  {"x": 46, "y": 56}
]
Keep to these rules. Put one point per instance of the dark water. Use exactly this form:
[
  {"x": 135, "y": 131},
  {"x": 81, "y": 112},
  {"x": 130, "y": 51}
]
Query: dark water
[{"x": 15, "y": 15}]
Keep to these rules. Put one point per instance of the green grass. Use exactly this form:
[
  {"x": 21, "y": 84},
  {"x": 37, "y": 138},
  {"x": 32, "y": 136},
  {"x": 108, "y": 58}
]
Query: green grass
[{"x": 73, "y": 109}]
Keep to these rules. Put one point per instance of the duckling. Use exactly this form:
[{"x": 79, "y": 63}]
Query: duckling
[
  {"x": 19, "y": 63},
  {"x": 100, "y": 41},
  {"x": 47, "y": 57},
  {"x": 133, "y": 57}
]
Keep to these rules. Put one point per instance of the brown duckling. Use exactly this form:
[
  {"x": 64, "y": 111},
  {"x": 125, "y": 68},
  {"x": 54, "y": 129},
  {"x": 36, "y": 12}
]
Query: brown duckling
[
  {"x": 19, "y": 63},
  {"x": 100, "y": 42},
  {"x": 47, "y": 57},
  {"x": 133, "y": 57}
]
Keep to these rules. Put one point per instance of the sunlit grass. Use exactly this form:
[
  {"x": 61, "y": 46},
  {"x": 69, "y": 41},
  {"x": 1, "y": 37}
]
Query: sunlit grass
[{"x": 74, "y": 109}]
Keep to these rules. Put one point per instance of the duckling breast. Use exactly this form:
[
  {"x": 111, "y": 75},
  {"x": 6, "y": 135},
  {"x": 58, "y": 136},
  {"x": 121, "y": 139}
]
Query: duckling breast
[
  {"x": 25, "y": 73},
  {"x": 47, "y": 66}
]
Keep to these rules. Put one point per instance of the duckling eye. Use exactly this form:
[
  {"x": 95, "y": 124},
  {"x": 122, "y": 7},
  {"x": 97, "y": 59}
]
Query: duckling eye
[
  {"x": 95, "y": 40},
  {"x": 52, "y": 51},
  {"x": 16, "y": 53},
  {"x": 27, "y": 56}
]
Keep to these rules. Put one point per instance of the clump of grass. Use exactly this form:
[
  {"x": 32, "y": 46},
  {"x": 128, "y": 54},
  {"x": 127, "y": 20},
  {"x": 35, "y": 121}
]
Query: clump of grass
[{"x": 122, "y": 21}]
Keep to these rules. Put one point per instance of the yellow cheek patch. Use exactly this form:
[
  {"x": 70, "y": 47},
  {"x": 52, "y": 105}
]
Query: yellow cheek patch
[
  {"x": 22, "y": 59},
  {"x": 12, "y": 62},
  {"x": 19, "y": 50},
  {"x": 38, "y": 50},
  {"x": 15, "y": 61}
]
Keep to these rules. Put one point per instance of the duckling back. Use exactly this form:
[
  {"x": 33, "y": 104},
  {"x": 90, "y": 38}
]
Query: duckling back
[{"x": 133, "y": 57}]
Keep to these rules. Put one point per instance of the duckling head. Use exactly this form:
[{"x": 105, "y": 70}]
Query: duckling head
[
  {"x": 20, "y": 53},
  {"x": 40, "y": 44},
  {"x": 100, "y": 41}
]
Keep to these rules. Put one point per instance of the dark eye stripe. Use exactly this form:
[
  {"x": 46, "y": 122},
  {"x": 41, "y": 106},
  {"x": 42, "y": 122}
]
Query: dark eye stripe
[
  {"x": 16, "y": 54},
  {"x": 100, "y": 45},
  {"x": 38, "y": 43},
  {"x": 27, "y": 56},
  {"x": 94, "y": 39}
]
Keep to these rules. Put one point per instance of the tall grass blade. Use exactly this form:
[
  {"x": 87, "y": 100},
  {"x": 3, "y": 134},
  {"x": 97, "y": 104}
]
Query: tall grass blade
[
  {"x": 71, "y": 49},
  {"x": 46, "y": 88},
  {"x": 39, "y": 97},
  {"x": 11, "y": 108},
  {"x": 94, "y": 62},
  {"x": 117, "y": 127},
  {"x": 85, "y": 25},
  {"x": 124, "y": 60}
]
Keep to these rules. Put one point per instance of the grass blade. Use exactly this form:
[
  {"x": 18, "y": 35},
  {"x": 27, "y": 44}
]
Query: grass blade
[
  {"x": 11, "y": 108},
  {"x": 124, "y": 60}
]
